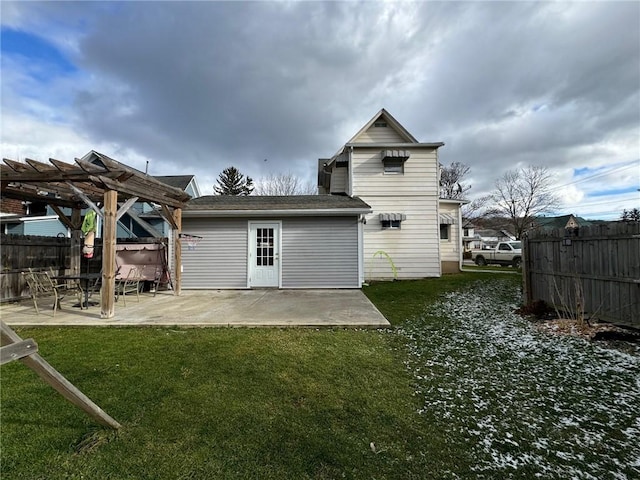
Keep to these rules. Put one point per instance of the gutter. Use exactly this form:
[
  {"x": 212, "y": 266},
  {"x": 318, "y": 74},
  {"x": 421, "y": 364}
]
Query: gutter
[{"x": 322, "y": 212}]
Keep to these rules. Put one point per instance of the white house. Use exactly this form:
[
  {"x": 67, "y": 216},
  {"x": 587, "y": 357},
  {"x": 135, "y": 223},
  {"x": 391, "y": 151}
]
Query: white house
[{"x": 410, "y": 232}]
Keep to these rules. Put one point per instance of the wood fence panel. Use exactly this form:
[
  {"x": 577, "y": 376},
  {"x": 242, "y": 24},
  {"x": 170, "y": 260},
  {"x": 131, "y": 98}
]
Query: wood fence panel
[
  {"x": 595, "y": 269},
  {"x": 21, "y": 252}
]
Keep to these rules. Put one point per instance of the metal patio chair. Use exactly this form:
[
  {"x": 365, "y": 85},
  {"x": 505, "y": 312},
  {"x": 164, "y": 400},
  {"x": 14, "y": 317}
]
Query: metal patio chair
[
  {"x": 129, "y": 284},
  {"x": 41, "y": 285}
]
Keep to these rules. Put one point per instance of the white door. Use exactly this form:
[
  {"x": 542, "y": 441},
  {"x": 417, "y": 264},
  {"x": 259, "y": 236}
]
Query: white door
[{"x": 264, "y": 255}]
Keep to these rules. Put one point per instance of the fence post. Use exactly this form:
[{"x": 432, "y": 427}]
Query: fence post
[{"x": 526, "y": 278}]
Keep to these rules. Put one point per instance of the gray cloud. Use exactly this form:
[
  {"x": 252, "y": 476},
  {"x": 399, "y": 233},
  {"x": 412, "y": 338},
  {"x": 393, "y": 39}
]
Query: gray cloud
[{"x": 210, "y": 84}]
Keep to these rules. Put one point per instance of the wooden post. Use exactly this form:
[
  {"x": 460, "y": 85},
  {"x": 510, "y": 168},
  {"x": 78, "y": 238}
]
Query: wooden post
[
  {"x": 63, "y": 386},
  {"x": 76, "y": 242},
  {"x": 177, "y": 251},
  {"x": 526, "y": 269},
  {"x": 107, "y": 304}
]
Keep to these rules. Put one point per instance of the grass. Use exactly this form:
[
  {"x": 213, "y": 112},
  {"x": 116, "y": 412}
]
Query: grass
[
  {"x": 459, "y": 388},
  {"x": 494, "y": 268},
  {"x": 211, "y": 403}
]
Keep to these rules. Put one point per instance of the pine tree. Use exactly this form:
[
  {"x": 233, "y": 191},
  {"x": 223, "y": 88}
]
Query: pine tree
[{"x": 232, "y": 182}]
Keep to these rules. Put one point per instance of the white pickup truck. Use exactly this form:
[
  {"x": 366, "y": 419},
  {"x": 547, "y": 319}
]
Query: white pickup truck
[{"x": 505, "y": 253}]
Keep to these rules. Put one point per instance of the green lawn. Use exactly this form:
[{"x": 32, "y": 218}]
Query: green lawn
[
  {"x": 444, "y": 394},
  {"x": 213, "y": 403}
]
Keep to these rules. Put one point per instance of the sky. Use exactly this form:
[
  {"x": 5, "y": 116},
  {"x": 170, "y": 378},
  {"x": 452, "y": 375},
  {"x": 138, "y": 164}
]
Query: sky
[{"x": 179, "y": 88}]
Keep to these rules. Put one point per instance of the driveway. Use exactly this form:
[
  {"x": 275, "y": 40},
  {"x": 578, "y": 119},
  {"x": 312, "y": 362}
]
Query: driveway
[{"x": 214, "y": 308}]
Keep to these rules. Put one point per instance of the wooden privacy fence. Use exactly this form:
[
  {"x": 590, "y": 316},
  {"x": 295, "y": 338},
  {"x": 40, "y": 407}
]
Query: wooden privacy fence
[
  {"x": 591, "y": 272},
  {"x": 21, "y": 252}
]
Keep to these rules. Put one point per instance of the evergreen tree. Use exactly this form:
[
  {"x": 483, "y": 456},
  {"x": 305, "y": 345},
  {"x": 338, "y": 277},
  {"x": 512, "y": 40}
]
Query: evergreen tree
[{"x": 232, "y": 182}]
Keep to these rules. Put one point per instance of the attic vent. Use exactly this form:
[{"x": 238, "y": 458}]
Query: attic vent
[{"x": 380, "y": 124}]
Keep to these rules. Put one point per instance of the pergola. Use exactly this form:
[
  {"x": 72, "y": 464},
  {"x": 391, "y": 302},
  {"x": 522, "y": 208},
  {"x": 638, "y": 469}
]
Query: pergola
[{"x": 95, "y": 178}]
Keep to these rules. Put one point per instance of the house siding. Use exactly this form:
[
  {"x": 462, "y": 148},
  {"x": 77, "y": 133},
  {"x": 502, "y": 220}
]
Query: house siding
[
  {"x": 45, "y": 227},
  {"x": 380, "y": 135},
  {"x": 317, "y": 252},
  {"x": 339, "y": 180},
  {"x": 450, "y": 249},
  {"x": 320, "y": 252},
  {"x": 220, "y": 259},
  {"x": 414, "y": 248}
]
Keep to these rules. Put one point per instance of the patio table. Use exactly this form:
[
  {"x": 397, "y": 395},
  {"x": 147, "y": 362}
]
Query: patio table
[{"x": 84, "y": 279}]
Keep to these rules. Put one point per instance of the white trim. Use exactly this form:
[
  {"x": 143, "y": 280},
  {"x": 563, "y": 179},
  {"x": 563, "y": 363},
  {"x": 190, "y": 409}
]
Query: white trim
[{"x": 38, "y": 219}]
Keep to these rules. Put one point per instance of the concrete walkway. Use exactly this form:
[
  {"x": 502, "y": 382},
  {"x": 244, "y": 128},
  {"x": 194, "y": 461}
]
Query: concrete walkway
[{"x": 213, "y": 308}]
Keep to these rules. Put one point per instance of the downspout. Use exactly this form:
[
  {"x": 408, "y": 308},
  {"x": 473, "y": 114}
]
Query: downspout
[
  {"x": 460, "y": 232},
  {"x": 438, "y": 216},
  {"x": 349, "y": 169},
  {"x": 361, "y": 221}
]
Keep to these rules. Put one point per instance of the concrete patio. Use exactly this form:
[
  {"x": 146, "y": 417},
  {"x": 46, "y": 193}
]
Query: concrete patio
[{"x": 212, "y": 308}]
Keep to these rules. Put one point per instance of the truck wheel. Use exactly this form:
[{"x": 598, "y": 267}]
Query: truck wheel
[
  {"x": 480, "y": 261},
  {"x": 517, "y": 262}
]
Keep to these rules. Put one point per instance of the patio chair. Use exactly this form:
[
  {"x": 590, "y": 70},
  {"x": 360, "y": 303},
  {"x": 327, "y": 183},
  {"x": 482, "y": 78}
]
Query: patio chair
[
  {"x": 40, "y": 286},
  {"x": 129, "y": 284},
  {"x": 66, "y": 286}
]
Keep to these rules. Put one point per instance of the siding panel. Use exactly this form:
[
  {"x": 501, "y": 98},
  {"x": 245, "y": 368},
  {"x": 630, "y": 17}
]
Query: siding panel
[
  {"x": 320, "y": 252},
  {"x": 220, "y": 259}
]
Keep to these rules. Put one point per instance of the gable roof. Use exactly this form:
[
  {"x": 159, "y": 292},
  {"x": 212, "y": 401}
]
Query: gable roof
[
  {"x": 386, "y": 116},
  {"x": 409, "y": 140},
  {"x": 176, "y": 181},
  {"x": 561, "y": 221},
  {"x": 269, "y": 205}
]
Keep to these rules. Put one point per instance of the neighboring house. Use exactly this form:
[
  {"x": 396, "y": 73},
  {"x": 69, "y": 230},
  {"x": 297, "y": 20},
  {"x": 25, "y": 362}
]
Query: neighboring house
[
  {"x": 300, "y": 241},
  {"x": 468, "y": 235},
  {"x": 410, "y": 232},
  {"x": 130, "y": 225},
  {"x": 489, "y": 238},
  {"x": 29, "y": 218},
  {"x": 562, "y": 221}
]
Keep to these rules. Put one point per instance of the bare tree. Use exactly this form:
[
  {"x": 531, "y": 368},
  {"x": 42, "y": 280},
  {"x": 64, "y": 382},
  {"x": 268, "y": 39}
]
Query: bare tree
[
  {"x": 475, "y": 209},
  {"x": 522, "y": 194},
  {"x": 632, "y": 215},
  {"x": 284, "y": 184},
  {"x": 451, "y": 180}
]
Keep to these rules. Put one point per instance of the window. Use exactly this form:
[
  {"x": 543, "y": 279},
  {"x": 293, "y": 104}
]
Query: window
[
  {"x": 391, "y": 220},
  {"x": 394, "y": 167},
  {"x": 390, "y": 224},
  {"x": 444, "y": 231}
]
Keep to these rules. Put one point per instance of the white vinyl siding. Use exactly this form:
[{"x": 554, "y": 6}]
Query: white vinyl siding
[
  {"x": 339, "y": 180},
  {"x": 320, "y": 252},
  {"x": 413, "y": 249},
  {"x": 220, "y": 259},
  {"x": 380, "y": 135},
  {"x": 450, "y": 248},
  {"x": 420, "y": 174}
]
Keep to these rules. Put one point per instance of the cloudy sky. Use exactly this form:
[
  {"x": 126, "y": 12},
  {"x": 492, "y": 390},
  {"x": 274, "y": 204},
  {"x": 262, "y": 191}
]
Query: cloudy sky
[{"x": 270, "y": 87}]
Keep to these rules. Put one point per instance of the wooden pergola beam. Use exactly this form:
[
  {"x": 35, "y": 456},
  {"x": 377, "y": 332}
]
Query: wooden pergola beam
[
  {"x": 91, "y": 179},
  {"x": 56, "y": 380}
]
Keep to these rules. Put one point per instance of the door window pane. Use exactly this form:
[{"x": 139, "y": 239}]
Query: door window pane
[{"x": 265, "y": 247}]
